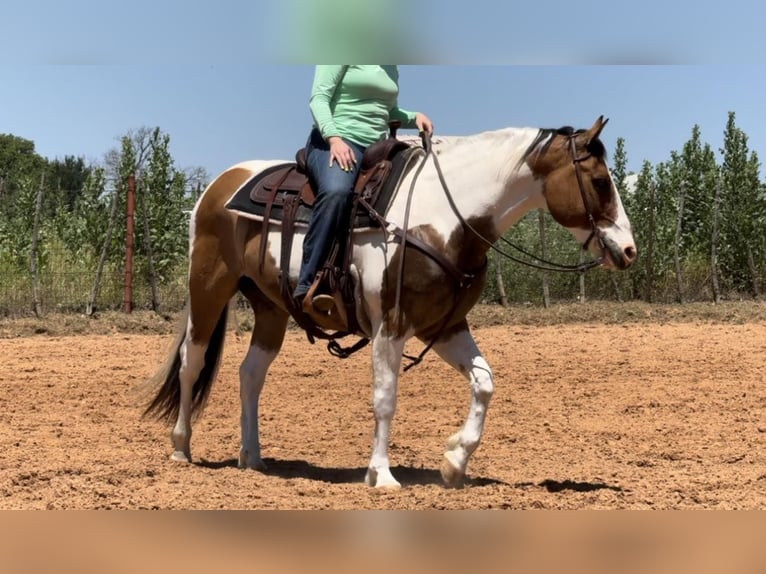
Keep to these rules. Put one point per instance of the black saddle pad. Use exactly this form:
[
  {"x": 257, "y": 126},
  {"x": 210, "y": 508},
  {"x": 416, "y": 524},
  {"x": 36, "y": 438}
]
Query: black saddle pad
[{"x": 242, "y": 204}]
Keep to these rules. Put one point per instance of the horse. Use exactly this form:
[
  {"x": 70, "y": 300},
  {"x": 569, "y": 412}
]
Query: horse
[{"x": 460, "y": 206}]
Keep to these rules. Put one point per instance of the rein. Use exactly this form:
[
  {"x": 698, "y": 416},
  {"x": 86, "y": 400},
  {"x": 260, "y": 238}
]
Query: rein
[
  {"x": 542, "y": 264},
  {"x": 463, "y": 279}
]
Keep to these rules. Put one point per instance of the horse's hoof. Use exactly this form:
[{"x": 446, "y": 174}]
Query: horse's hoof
[
  {"x": 376, "y": 480},
  {"x": 246, "y": 463},
  {"x": 180, "y": 456},
  {"x": 452, "y": 476}
]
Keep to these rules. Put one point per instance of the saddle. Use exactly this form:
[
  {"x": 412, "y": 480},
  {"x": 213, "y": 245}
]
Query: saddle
[
  {"x": 264, "y": 197},
  {"x": 285, "y": 193}
]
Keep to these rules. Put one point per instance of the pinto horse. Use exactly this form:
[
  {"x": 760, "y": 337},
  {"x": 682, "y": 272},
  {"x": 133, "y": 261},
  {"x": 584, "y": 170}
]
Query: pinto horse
[{"x": 485, "y": 184}]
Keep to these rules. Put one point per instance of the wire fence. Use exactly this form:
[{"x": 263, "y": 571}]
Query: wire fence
[
  {"x": 67, "y": 277},
  {"x": 65, "y": 291}
]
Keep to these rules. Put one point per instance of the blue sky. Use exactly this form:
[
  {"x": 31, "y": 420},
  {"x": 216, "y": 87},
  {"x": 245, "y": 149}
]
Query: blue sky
[
  {"x": 220, "y": 115},
  {"x": 231, "y": 82}
]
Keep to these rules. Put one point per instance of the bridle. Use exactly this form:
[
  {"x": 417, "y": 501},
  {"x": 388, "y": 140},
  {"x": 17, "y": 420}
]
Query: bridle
[
  {"x": 538, "y": 262},
  {"x": 594, "y": 231}
]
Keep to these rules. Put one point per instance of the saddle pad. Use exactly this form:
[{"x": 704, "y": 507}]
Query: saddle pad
[{"x": 242, "y": 205}]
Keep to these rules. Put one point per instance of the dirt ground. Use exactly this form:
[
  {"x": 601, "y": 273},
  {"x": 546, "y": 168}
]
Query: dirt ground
[{"x": 657, "y": 415}]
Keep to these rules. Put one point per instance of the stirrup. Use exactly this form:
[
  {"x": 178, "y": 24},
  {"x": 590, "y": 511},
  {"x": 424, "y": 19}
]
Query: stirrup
[{"x": 323, "y": 303}]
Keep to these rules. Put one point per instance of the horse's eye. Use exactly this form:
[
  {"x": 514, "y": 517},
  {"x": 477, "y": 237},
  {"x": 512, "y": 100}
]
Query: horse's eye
[{"x": 602, "y": 185}]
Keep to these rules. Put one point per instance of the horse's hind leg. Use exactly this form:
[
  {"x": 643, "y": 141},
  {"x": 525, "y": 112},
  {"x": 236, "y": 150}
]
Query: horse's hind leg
[
  {"x": 199, "y": 353},
  {"x": 265, "y": 342},
  {"x": 460, "y": 351}
]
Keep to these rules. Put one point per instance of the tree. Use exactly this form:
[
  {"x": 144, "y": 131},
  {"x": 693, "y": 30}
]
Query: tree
[
  {"x": 167, "y": 204},
  {"x": 619, "y": 176},
  {"x": 699, "y": 174},
  {"x": 742, "y": 212},
  {"x": 619, "y": 167},
  {"x": 642, "y": 217},
  {"x": 20, "y": 171}
]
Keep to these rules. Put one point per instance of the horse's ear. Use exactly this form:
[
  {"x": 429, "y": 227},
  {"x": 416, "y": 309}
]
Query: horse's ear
[{"x": 595, "y": 130}]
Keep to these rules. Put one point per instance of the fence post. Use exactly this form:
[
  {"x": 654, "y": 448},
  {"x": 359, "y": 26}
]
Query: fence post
[
  {"x": 649, "y": 296},
  {"x": 128, "y": 307},
  {"x": 38, "y": 307},
  {"x": 500, "y": 283},
  {"x": 677, "y": 249},
  {"x": 714, "y": 244},
  {"x": 141, "y": 193},
  {"x": 543, "y": 255}
]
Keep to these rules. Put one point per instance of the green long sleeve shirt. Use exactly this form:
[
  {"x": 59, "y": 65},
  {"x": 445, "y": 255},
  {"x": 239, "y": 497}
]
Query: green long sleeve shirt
[{"x": 357, "y": 102}]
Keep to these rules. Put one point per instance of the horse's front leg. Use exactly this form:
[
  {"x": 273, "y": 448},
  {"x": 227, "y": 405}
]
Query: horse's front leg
[
  {"x": 252, "y": 375},
  {"x": 460, "y": 351},
  {"x": 265, "y": 343},
  {"x": 386, "y": 360}
]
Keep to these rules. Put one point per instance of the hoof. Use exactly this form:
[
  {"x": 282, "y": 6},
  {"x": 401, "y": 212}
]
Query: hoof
[
  {"x": 377, "y": 480},
  {"x": 180, "y": 456},
  {"x": 452, "y": 476},
  {"x": 246, "y": 463}
]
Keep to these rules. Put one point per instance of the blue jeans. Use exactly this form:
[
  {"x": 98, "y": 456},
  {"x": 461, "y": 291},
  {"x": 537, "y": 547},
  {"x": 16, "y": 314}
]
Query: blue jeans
[{"x": 332, "y": 207}]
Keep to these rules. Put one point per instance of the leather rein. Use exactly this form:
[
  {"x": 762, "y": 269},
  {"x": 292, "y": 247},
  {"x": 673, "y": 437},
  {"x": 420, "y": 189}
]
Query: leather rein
[{"x": 463, "y": 279}]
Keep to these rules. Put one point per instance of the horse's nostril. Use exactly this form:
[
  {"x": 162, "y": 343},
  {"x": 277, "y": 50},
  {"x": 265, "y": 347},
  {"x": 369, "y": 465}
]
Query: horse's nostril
[{"x": 630, "y": 253}]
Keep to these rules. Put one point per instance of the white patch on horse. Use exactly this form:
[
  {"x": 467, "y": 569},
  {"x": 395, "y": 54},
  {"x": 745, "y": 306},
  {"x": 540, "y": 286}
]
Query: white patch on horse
[
  {"x": 192, "y": 362},
  {"x": 386, "y": 359},
  {"x": 496, "y": 188},
  {"x": 252, "y": 375},
  {"x": 461, "y": 352}
]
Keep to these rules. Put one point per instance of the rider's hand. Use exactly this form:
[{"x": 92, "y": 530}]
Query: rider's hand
[
  {"x": 341, "y": 152},
  {"x": 424, "y": 123}
]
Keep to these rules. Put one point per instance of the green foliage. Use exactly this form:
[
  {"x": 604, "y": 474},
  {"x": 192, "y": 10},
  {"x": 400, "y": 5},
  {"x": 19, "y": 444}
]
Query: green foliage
[
  {"x": 638, "y": 204},
  {"x": 700, "y": 175},
  {"x": 20, "y": 166},
  {"x": 167, "y": 204},
  {"x": 619, "y": 167},
  {"x": 742, "y": 212},
  {"x": 77, "y": 199},
  {"x": 75, "y": 215}
]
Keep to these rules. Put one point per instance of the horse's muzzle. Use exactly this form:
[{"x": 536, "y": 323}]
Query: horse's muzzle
[{"x": 618, "y": 256}]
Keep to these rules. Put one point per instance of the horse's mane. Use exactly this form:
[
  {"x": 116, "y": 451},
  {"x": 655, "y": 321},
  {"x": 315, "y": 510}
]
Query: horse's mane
[{"x": 539, "y": 145}]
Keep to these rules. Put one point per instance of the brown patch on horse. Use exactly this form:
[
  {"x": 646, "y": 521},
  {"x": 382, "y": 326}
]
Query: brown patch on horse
[
  {"x": 267, "y": 275},
  {"x": 550, "y": 159},
  {"x": 221, "y": 245},
  {"x": 270, "y": 320},
  {"x": 428, "y": 291}
]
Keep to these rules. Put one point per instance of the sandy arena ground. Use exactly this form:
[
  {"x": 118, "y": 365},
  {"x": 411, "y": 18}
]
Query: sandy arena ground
[{"x": 584, "y": 416}]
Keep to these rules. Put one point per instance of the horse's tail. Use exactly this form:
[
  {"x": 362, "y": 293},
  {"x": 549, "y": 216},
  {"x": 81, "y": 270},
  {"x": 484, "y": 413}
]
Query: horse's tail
[{"x": 166, "y": 403}]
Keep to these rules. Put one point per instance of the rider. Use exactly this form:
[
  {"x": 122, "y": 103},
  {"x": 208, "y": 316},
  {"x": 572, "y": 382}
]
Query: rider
[{"x": 352, "y": 107}]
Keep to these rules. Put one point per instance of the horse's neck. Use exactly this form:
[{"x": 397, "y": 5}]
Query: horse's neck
[{"x": 482, "y": 177}]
